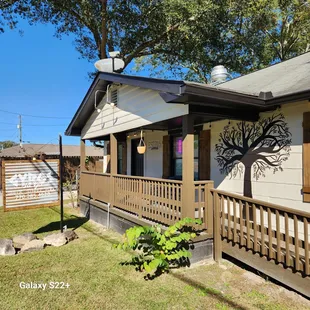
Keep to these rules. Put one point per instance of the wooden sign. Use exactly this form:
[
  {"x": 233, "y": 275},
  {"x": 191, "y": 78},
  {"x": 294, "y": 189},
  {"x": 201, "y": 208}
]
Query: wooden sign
[{"x": 28, "y": 184}]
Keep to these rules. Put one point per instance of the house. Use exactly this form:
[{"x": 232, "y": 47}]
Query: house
[
  {"x": 236, "y": 155},
  {"x": 71, "y": 154}
]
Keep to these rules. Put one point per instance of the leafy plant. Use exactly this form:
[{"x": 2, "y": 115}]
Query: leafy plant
[{"x": 158, "y": 249}]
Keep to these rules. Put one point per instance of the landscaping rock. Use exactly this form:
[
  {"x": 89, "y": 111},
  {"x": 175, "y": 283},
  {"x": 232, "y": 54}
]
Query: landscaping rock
[
  {"x": 70, "y": 235},
  {"x": 6, "y": 247},
  {"x": 33, "y": 245},
  {"x": 57, "y": 239},
  {"x": 20, "y": 240}
]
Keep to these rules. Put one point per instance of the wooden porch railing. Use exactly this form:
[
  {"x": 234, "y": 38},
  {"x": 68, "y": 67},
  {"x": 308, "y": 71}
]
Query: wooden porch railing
[
  {"x": 159, "y": 200},
  {"x": 95, "y": 185},
  {"x": 155, "y": 199},
  {"x": 203, "y": 205},
  {"x": 279, "y": 233}
]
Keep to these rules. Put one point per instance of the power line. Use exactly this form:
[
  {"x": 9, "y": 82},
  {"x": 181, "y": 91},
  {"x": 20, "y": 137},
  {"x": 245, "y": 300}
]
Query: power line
[
  {"x": 34, "y": 125},
  {"x": 28, "y": 115}
]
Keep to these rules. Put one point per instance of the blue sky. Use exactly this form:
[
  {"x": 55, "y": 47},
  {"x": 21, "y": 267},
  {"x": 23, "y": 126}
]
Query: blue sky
[{"x": 40, "y": 75}]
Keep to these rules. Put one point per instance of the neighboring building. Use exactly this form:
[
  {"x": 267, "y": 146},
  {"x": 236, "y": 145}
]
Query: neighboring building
[
  {"x": 71, "y": 154},
  {"x": 250, "y": 136},
  {"x": 30, "y": 150}
]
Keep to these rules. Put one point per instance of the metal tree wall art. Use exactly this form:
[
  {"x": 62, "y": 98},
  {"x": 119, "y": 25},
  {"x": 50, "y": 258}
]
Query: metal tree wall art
[{"x": 261, "y": 145}]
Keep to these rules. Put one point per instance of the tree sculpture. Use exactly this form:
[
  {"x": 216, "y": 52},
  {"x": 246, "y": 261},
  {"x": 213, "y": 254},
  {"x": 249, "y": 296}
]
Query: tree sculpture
[{"x": 261, "y": 145}]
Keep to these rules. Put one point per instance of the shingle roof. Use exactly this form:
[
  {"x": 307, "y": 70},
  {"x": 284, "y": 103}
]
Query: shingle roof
[
  {"x": 288, "y": 77},
  {"x": 29, "y": 150}
]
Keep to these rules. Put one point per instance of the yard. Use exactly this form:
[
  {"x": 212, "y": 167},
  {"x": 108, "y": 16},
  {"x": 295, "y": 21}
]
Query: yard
[{"x": 97, "y": 280}]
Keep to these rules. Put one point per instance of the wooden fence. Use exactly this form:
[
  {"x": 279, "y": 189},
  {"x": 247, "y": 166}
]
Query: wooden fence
[{"x": 273, "y": 231}]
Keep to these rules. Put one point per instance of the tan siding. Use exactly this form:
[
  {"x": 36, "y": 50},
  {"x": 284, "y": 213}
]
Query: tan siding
[{"x": 284, "y": 188}]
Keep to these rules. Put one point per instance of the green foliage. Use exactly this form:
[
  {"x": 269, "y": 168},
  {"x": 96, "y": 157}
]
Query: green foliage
[
  {"x": 158, "y": 249},
  {"x": 185, "y": 38},
  {"x": 6, "y": 144}
]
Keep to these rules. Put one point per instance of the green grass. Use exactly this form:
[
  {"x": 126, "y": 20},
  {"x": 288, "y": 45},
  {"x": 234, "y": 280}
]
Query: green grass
[{"x": 97, "y": 280}]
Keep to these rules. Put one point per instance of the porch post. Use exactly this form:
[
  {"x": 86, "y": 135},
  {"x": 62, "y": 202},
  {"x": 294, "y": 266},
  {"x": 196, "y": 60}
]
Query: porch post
[
  {"x": 188, "y": 195},
  {"x": 113, "y": 165},
  {"x": 82, "y": 155}
]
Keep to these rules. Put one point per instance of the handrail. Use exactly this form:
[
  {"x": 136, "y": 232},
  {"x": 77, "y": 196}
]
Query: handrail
[
  {"x": 263, "y": 203},
  {"x": 147, "y": 178},
  {"x": 96, "y": 173},
  {"x": 203, "y": 182}
]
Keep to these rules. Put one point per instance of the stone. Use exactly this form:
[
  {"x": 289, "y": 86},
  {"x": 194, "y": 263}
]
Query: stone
[
  {"x": 70, "y": 235},
  {"x": 6, "y": 247},
  {"x": 22, "y": 239},
  {"x": 57, "y": 239},
  {"x": 33, "y": 245}
]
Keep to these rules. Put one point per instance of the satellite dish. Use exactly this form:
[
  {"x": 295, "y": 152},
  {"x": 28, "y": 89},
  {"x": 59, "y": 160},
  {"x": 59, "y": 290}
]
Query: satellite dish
[{"x": 106, "y": 65}]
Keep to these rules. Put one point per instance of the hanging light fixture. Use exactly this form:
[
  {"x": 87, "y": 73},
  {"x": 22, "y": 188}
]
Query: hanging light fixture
[{"x": 141, "y": 148}]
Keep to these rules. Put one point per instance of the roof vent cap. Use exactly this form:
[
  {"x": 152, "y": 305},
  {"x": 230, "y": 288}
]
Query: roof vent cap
[{"x": 219, "y": 74}]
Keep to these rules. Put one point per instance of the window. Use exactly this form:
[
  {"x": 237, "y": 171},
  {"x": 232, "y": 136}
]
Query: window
[{"x": 177, "y": 155}]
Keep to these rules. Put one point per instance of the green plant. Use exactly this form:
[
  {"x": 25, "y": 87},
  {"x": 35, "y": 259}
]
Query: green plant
[{"x": 158, "y": 249}]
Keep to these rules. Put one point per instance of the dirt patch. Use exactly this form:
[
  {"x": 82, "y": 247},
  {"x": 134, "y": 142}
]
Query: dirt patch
[{"x": 242, "y": 287}]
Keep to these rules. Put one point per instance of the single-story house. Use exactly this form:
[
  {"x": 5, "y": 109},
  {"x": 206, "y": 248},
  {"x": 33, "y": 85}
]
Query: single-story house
[{"x": 236, "y": 155}]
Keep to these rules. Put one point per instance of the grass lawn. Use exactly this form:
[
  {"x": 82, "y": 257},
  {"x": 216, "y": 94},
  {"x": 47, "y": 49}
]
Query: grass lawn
[{"x": 97, "y": 280}]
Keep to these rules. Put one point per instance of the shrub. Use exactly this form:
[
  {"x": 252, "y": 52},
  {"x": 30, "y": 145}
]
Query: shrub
[{"x": 158, "y": 249}]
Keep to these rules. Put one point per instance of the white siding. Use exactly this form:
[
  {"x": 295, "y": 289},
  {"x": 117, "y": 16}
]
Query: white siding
[
  {"x": 284, "y": 188},
  {"x": 136, "y": 107},
  {"x": 153, "y": 159}
]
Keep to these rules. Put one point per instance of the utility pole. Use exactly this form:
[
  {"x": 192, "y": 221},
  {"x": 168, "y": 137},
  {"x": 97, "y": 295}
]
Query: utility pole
[{"x": 20, "y": 131}]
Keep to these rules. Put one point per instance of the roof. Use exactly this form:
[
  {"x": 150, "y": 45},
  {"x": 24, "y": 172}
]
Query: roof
[
  {"x": 29, "y": 150},
  {"x": 288, "y": 81},
  {"x": 287, "y": 77}
]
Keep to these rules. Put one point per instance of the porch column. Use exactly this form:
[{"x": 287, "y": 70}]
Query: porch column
[
  {"x": 82, "y": 155},
  {"x": 113, "y": 165},
  {"x": 188, "y": 197}
]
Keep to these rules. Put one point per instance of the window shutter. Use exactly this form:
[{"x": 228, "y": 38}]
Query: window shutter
[
  {"x": 204, "y": 155},
  {"x": 306, "y": 156},
  {"x": 124, "y": 157},
  {"x": 166, "y": 157},
  {"x": 108, "y": 157}
]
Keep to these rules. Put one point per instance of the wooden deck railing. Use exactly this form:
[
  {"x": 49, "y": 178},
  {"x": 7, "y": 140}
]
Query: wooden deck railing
[
  {"x": 151, "y": 198},
  {"x": 279, "y": 233},
  {"x": 95, "y": 185},
  {"x": 159, "y": 200},
  {"x": 203, "y": 205}
]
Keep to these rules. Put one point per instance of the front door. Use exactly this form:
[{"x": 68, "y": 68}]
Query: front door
[{"x": 137, "y": 160}]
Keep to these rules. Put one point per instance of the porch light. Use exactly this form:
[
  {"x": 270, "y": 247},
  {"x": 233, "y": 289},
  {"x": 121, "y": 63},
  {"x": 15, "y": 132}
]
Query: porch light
[{"x": 141, "y": 148}]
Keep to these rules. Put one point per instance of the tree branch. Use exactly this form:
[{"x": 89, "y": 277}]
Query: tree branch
[
  {"x": 147, "y": 44},
  {"x": 104, "y": 30}
]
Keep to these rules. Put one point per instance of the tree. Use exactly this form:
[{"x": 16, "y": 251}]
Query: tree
[
  {"x": 185, "y": 38},
  {"x": 261, "y": 145},
  {"x": 244, "y": 36},
  {"x": 10, "y": 10},
  {"x": 7, "y": 144}
]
